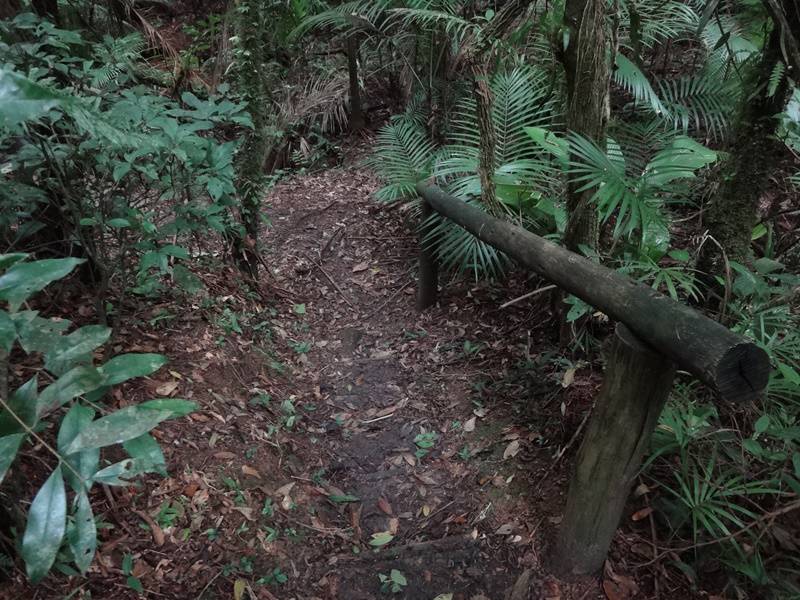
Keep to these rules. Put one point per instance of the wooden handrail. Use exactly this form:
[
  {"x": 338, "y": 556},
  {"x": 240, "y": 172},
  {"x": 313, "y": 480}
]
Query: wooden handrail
[{"x": 736, "y": 367}]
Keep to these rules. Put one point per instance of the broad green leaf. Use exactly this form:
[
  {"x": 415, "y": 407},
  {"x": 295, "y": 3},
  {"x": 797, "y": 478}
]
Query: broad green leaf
[
  {"x": 147, "y": 453},
  {"x": 75, "y": 348},
  {"x": 82, "y": 536},
  {"x": 120, "y": 426},
  {"x": 127, "y": 366},
  {"x": 8, "y": 332},
  {"x": 23, "y": 100},
  {"x": 37, "y": 334},
  {"x": 762, "y": 424},
  {"x": 74, "y": 382},
  {"x": 6, "y": 260},
  {"x": 381, "y": 538},
  {"x": 22, "y": 280},
  {"x": 118, "y": 474},
  {"x": 84, "y": 462},
  {"x": 23, "y": 405},
  {"x": 177, "y": 406},
  {"x": 9, "y": 445},
  {"x": 44, "y": 532}
]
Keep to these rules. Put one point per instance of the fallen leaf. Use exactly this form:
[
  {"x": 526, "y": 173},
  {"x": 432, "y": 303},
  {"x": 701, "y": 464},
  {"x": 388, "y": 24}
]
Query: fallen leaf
[
  {"x": 511, "y": 450},
  {"x": 505, "y": 529},
  {"x": 469, "y": 425},
  {"x": 362, "y": 266},
  {"x": 384, "y": 505},
  {"x": 167, "y": 389},
  {"x": 247, "y": 470},
  {"x": 642, "y": 514},
  {"x": 285, "y": 489},
  {"x": 569, "y": 377},
  {"x": 239, "y": 587},
  {"x": 381, "y": 538}
]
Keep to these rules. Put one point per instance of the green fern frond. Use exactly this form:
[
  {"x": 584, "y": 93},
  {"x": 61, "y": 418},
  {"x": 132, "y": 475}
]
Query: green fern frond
[
  {"x": 775, "y": 78},
  {"x": 403, "y": 156},
  {"x": 704, "y": 102},
  {"x": 630, "y": 77}
]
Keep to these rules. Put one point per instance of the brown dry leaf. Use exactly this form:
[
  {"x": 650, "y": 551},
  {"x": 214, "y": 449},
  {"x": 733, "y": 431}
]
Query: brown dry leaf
[
  {"x": 569, "y": 377},
  {"x": 642, "y": 514},
  {"x": 362, "y": 266},
  {"x": 246, "y": 512},
  {"x": 511, "y": 450},
  {"x": 469, "y": 425},
  {"x": 247, "y": 470},
  {"x": 394, "y": 524},
  {"x": 409, "y": 458},
  {"x": 504, "y": 529},
  {"x": 614, "y": 591},
  {"x": 225, "y": 455},
  {"x": 285, "y": 489},
  {"x": 384, "y": 505},
  {"x": 168, "y": 388}
]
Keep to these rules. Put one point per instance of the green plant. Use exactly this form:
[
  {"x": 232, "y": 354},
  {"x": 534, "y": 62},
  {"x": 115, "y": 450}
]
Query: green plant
[
  {"x": 276, "y": 576},
  {"x": 394, "y": 582},
  {"x": 70, "y": 404},
  {"x": 424, "y": 441}
]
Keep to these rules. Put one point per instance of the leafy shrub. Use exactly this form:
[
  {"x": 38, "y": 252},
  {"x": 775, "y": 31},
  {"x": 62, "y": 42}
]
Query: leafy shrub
[{"x": 59, "y": 530}]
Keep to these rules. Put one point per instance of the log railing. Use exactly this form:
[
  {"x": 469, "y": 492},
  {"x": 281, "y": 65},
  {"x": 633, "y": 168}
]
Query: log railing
[{"x": 655, "y": 336}]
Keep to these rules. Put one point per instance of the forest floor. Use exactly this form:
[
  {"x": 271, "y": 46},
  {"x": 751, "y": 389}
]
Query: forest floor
[{"x": 341, "y": 434}]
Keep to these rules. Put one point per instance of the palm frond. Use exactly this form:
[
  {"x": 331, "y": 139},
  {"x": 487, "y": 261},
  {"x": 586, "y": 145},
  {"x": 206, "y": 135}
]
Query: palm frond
[
  {"x": 704, "y": 101},
  {"x": 630, "y": 77},
  {"x": 403, "y": 156}
]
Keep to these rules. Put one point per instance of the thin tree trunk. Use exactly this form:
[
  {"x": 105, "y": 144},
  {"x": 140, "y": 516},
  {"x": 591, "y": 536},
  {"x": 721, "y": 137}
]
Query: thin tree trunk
[
  {"x": 356, "y": 113},
  {"x": 586, "y": 65},
  {"x": 488, "y": 139},
  {"x": 733, "y": 212}
]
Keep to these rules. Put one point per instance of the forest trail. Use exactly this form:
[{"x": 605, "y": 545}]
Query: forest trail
[
  {"x": 421, "y": 420},
  {"x": 340, "y": 434}
]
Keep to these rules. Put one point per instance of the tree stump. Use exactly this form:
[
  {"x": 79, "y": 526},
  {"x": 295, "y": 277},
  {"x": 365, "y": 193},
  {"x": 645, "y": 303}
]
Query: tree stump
[
  {"x": 428, "y": 283},
  {"x": 637, "y": 383}
]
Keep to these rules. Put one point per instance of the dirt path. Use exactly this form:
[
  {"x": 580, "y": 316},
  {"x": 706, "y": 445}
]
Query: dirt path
[
  {"x": 341, "y": 435},
  {"x": 422, "y": 418}
]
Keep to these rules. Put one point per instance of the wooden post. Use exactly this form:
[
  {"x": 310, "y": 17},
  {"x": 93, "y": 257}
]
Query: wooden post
[
  {"x": 428, "y": 284},
  {"x": 636, "y": 385}
]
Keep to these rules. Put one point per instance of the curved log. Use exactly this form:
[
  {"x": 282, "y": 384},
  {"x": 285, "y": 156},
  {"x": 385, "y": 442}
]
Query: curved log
[{"x": 736, "y": 367}]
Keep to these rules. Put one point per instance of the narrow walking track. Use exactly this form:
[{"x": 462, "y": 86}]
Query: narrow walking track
[{"x": 429, "y": 422}]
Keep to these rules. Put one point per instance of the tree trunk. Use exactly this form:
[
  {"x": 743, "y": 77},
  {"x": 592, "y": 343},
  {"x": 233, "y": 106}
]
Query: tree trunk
[
  {"x": 482, "y": 92},
  {"x": 733, "y": 212},
  {"x": 357, "y": 121},
  {"x": 586, "y": 65}
]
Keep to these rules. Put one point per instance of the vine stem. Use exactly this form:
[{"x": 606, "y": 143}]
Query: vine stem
[{"x": 39, "y": 439}]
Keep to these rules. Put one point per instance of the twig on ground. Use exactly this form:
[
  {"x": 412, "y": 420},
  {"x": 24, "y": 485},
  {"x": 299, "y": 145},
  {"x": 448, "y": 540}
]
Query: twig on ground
[
  {"x": 333, "y": 283},
  {"x": 389, "y": 299},
  {"x": 541, "y": 290}
]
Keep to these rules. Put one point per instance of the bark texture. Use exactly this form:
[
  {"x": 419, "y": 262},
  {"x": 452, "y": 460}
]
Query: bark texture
[
  {"x": 356, "y": 117},
  {"x": 636, "y": 384},
  {"x": 586, "y": 66},
  {"x": 733, "y": 212}
]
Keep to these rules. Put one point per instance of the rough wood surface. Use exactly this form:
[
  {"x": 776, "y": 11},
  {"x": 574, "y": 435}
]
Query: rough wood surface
[
  {"x": 428, "y": 283},
  {"x": 726, "y": 361},
  {"x": 636, "y": 384}
]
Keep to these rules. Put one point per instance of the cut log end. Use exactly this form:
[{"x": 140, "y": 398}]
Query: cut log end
[{"x": 743, "y": 373}]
